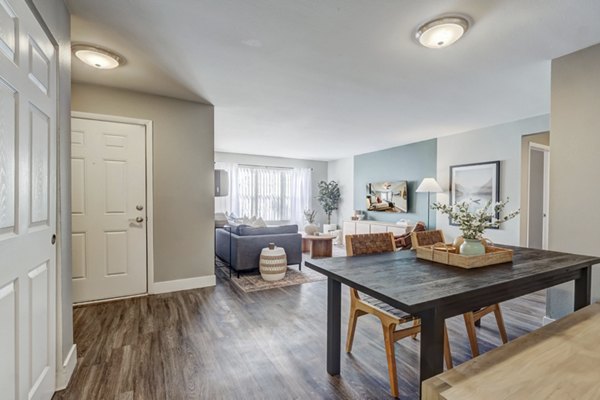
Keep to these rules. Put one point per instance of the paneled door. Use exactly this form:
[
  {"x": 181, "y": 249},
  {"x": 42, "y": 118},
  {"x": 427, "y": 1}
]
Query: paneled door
[
  {"x": 28, "y": 165},
  {"x": 108, "y": 200}
]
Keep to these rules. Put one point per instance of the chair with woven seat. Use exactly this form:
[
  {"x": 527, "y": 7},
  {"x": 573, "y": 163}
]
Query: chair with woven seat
[
  {"x": 428, "y": 238},
  {"x": 389, "y": 316},
  {"x": 404, "y": 241}
]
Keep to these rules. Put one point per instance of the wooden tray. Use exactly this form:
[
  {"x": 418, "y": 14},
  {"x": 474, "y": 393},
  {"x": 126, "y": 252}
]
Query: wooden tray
[{"x": 447, "y": 254}]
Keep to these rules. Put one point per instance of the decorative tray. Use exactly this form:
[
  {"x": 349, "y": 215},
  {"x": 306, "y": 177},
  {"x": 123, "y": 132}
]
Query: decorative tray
[{"x": 448, "y": 254}]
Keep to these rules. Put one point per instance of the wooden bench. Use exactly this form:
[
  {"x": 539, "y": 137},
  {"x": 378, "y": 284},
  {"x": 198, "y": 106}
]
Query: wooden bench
[{"x": 558, "y": 361}]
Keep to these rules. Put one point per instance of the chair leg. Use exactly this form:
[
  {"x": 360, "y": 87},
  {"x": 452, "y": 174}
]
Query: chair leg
[
  {"x": 354, "y": 314},
  {"x": 447, "y": 352},
  {"x": 388, "y": 335},
  {"x": 500, "y": 322},
  {"x": 416, "y": 322},
  {"x": 470, "y": 325}
]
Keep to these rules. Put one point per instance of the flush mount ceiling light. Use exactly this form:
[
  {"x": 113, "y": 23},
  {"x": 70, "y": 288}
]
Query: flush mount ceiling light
[
  {"x": 97, "y": 57},
  {"x": 442, "y": 32}
]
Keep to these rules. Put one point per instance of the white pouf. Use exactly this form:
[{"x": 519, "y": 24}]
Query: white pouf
[{"x": 273, "y": 264}]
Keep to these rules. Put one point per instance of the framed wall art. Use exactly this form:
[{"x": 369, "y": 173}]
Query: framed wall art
[{"x": 476, "y": 183}]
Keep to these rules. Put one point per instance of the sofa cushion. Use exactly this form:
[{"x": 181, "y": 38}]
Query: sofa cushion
[
  {"x": 234, "y": 228},
  {"x": 245, "y": 230}
]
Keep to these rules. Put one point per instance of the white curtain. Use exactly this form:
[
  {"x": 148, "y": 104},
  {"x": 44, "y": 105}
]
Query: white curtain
[
  {"x": 277, "y": 195},
  {"x": 301, "y": 194}
]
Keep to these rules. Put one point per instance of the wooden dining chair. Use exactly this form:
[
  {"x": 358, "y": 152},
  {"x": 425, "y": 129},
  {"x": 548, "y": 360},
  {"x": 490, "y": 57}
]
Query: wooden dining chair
[
  {"x": 404, "y": 241},
  {"x": 391, "y": 318},
  {"x": 428, "y": 238}
]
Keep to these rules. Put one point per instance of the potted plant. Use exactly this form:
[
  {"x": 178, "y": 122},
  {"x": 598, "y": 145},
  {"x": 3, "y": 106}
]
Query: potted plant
[
  {"x": 310, "y": 228},
  {"x": 473, "y": 223},
  {"x": 329, "y": 198}
]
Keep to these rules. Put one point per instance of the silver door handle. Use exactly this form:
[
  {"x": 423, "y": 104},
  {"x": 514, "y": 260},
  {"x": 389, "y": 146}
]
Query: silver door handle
[{"x": 139, "y": 220}]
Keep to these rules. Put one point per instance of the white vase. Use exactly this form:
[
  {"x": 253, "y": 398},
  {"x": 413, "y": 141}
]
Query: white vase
[
  {"x": 329, "y": 227},
  {"x": 311, "y": 229}
]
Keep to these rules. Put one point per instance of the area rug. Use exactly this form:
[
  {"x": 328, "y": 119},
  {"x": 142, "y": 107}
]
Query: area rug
[{"x": 252, "y": 281}]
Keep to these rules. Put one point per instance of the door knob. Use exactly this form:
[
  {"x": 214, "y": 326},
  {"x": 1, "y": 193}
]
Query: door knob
[
  {"x": 139, "y": 207},
  {"x": 139, "y": 220}
]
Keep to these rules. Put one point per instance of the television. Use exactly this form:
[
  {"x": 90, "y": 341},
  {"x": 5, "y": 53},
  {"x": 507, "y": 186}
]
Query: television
[{"x": 391, "y": 197}]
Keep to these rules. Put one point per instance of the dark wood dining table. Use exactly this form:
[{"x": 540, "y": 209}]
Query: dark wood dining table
[{"x": 434, "y": 292}]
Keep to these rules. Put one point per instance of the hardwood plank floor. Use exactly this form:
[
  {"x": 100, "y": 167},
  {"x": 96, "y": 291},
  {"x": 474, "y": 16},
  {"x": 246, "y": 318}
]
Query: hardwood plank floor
[{"x": 220, "y": 343}]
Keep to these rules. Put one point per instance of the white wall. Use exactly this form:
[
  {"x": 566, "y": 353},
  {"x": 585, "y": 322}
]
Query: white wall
[
  {"x": 319, "y": 170},
  {"x": 499, "y": 142},
  {"x": 342, "y": 171},
  {"x": 574, "y": 166}
]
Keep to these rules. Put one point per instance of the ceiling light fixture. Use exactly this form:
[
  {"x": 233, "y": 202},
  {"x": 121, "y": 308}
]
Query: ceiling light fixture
[
  {"x": 97, "y": 57},
  {"x": 442, "y": 32}
]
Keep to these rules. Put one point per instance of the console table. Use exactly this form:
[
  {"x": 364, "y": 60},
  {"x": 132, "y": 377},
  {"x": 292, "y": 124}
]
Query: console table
[{"x": 367, "y": 226}]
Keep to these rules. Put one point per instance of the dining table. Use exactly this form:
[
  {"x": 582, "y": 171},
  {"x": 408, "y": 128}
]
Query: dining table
[{"x": 434, "y": 292}]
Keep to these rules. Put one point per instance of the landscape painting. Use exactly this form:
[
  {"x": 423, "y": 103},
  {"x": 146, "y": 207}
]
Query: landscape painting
[
  {"x": 387, "y": 197},
  {"x": 475, "y": 183}
]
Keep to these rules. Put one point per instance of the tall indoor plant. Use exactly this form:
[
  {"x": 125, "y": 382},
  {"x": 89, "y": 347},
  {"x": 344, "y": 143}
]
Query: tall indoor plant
[{"x": 329, "y": 197}]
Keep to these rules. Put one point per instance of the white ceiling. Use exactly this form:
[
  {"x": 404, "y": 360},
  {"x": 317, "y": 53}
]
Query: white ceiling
[{"x": 325, "y": 79}]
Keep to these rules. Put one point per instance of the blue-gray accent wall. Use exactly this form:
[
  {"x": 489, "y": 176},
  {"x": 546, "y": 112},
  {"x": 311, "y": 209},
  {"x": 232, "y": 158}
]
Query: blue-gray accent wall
[{"x": 410, "y": 163}]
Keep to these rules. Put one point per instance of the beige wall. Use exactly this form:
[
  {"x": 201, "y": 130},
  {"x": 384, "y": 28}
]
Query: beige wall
[
  {"x": 56, "y": 18},
  {"x": 574, "y": 166},
  {"x": 539, "y": 138},
  {"x": 183, "y": 174}
]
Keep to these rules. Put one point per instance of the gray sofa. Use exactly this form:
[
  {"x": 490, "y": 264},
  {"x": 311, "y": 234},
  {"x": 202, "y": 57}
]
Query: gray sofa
[{"x": 247, "y": 243}]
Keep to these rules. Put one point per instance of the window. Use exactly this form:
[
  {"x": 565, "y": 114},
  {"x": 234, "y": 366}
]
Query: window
[
  {"x": 264, "y": 192},
  {"x": 277, "y": 195}
]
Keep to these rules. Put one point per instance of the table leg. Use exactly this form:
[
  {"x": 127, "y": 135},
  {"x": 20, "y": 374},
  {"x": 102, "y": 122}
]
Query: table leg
[
  {"x": 583, "y": 289},
  {"x": 432, "y": 344},
  {"x": 334, "y": 316}
]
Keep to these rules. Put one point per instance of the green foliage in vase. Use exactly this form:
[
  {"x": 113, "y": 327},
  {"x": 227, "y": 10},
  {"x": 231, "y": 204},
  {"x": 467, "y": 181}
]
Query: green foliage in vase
[
  {"x": 474, "y": 223},
  {"x": 329, "y": 197},
  {"x": 310, "y": 215}
]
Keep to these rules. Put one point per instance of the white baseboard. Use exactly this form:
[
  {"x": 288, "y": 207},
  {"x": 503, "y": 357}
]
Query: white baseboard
[
  {"x": 183, "y": 284},
  {"x": 547, "y": 320},
  {"x": 63, "y": 375}
]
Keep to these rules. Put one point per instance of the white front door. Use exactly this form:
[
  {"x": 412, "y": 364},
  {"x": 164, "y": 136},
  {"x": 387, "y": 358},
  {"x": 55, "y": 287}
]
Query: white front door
[
  {"x": 108, "y": 179},
  {"x": 28, "y": 165}
]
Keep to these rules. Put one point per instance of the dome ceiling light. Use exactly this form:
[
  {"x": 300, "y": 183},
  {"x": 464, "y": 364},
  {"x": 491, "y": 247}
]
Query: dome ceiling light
[
  {"x": 442, "y": 32},
  {"x": 97, "y": 57}
]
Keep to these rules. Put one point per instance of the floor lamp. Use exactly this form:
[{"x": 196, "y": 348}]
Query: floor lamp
[{"x": 429, "y": 185}]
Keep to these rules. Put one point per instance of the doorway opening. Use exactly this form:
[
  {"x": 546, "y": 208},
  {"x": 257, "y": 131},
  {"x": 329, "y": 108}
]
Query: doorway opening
[{"x": 538, "y": 196}]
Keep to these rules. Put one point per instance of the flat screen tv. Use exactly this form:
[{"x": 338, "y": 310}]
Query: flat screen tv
[{"x": 391, "y": 197}]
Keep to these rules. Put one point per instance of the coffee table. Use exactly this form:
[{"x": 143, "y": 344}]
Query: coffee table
[{"x": 318, "y": 246}]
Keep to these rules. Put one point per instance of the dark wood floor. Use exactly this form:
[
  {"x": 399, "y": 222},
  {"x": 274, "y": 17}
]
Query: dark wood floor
[{"x": 219, "y": 343}]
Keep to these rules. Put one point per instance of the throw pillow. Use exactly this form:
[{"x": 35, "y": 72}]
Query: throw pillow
[{"x": 259, "y": 223}]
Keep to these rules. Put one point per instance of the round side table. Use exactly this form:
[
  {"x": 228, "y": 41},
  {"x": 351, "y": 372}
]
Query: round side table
[{"x": 273, "y": 264}]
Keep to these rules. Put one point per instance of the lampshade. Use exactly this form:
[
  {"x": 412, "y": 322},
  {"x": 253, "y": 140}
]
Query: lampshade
[{"x": 429, "y": 185}]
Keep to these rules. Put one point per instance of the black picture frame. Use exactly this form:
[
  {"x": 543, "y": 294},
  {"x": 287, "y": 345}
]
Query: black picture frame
[{"x": 465, "y": 178}]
